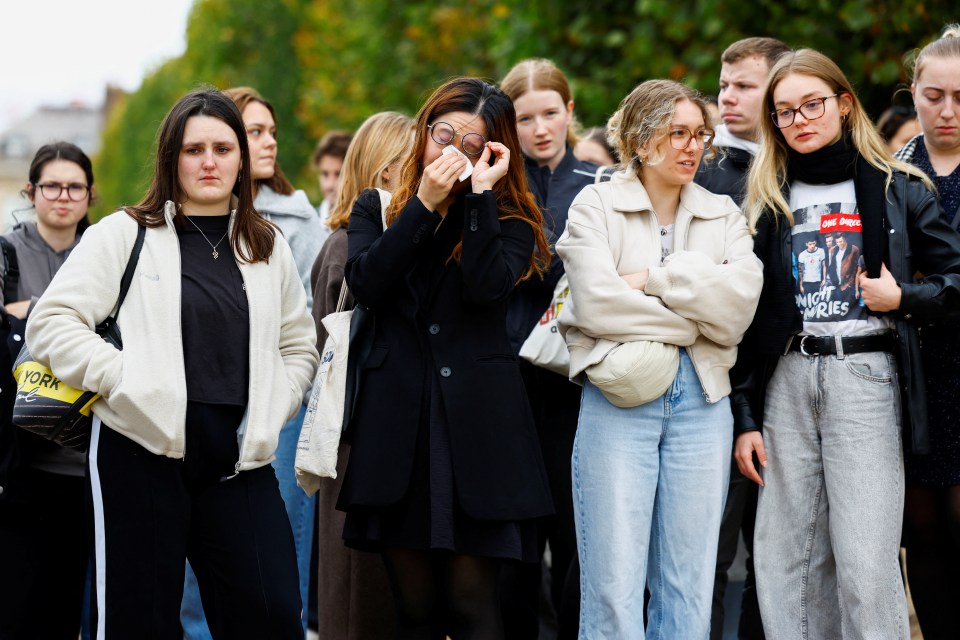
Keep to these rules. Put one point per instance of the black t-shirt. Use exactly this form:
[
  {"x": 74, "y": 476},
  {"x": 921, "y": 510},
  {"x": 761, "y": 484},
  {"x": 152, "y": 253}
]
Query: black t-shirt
[{"x": 215, "y": 319}]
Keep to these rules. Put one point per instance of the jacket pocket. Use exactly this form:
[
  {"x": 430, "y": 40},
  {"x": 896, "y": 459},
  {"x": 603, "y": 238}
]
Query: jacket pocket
[{"x": 497, "y": 358}]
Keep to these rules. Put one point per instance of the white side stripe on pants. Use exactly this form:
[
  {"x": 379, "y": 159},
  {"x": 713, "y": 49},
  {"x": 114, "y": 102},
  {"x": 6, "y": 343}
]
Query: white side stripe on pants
[{"x": 100, "y": 554}]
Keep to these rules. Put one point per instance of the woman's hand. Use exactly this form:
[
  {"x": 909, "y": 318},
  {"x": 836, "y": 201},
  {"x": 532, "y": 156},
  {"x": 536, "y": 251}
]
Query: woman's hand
[
  {"x": 18, "y": 309},
  {"x": 637, "y": 280},
  {"x": 485, "y": 175},
  {"x": 746, "y": 445},
  {"x": 880, "y": 294},
  {"x": 438, "y": 179}
]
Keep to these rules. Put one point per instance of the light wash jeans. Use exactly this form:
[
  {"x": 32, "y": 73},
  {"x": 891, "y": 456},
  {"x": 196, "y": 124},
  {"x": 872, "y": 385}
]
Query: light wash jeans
[
  {"x": 827, "y": 540},
  {"x": 649, "y": 485},
  {"x": 300, "y": 510}
]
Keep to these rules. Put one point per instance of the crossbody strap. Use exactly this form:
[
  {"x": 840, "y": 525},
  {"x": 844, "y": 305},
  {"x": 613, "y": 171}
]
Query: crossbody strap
[
  {"x": 131, "y": 268},
  {"x": 11, "y": 276}
]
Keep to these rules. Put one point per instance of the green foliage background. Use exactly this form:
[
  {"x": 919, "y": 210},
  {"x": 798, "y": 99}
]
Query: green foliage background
[{"x": 327, "y": 65}]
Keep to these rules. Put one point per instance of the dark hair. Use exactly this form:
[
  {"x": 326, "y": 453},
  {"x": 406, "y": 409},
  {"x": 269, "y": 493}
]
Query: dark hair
[
  {"x": 252, "y": 236},
  {"x": 333, "y": 143},
  {"x": 474, "y": 96},
  {"x": 769, "y": 49},
  {"x": 61, "y": 151},
  {"x": 599, "y": 135},
  {"x": 243, "y": 96},
  {"x": 892, "y": 119}
]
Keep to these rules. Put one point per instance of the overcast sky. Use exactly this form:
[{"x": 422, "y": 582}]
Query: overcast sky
[{"x": 60, "y": 51}]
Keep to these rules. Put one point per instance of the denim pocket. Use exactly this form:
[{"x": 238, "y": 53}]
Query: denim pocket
[{"x": 876, "y": 367}]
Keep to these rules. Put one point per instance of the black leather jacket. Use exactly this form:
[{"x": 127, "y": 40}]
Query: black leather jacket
[{"x": 919, "y": 242}]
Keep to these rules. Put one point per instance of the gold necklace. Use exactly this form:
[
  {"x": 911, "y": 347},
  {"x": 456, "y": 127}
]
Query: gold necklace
[{"x": 216, "y": 254}]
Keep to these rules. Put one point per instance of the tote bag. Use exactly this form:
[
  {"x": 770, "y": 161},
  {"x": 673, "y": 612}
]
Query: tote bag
[
  {"x": 545, "y": 346},
  {"x": 334, "y": 392}
]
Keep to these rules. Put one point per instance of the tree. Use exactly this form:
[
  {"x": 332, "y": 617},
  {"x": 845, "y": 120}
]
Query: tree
[{"x": 326, "y": 65}]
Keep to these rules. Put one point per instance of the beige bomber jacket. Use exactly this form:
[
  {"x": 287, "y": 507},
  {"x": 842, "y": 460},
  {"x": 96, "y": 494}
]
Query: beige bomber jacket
[
  {"x": 143, "y": 387},
  {"x": 702, "y": 297}
]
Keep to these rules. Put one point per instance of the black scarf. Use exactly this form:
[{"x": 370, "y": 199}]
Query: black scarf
[{"x": 841, "y": 161}]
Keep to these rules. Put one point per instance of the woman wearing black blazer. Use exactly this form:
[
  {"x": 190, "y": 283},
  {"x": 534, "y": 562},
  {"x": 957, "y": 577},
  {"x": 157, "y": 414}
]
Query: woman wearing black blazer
[{"x": 445, "y": 476}]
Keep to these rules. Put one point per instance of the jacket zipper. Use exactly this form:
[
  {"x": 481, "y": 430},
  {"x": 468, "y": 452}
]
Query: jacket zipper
[
  {"x": 180, "y": 330},
  {"x": 246, "y": 428}
]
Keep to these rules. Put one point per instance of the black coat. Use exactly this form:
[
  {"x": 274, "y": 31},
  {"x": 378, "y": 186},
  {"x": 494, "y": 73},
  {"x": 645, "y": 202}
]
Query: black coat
[
  {"x": 554, "y": 192},
  {"x": 918, "y": 240},
  {"x": 432, "y": 311},
  {"x": 726, "y": 173}
]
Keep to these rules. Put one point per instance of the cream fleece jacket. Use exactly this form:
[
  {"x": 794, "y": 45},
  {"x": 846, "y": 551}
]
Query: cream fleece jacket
[
  {"x": 143, "y": 387},
  {"x": 703, "y": 297}
]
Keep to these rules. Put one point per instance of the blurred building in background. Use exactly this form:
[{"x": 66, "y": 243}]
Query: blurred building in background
[{"x": 77, "y": 123}]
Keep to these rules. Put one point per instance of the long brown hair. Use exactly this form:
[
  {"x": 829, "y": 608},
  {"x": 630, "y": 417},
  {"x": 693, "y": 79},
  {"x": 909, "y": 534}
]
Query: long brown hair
[
  {"x": 242, "y": 96},
  {"x": 514, "y": 200},
  {"x": 380, "y": 141},
  {"x": 252, "y": 237}
]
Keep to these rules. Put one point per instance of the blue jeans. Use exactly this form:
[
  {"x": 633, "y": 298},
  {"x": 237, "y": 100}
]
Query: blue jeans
[
  {"x": 649, "y": 486},
  {"x": 300, "y": 510},
  {"x": 827, "y": 541}
]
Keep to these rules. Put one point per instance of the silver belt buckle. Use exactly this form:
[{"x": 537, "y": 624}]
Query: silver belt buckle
[{"x": 802, "y": 350}]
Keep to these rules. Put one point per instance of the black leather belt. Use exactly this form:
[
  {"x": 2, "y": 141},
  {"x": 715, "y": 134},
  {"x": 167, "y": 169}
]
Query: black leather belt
[{"x": 834, "y": 345}]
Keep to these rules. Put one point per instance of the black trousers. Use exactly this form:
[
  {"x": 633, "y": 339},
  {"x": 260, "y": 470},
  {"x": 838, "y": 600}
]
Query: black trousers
[
  {"x": 739, "y": 515},
  {"x": 44, "y": 551},
  {"x": 152, "y": 512},
  {"x": 555, "y": 402}
]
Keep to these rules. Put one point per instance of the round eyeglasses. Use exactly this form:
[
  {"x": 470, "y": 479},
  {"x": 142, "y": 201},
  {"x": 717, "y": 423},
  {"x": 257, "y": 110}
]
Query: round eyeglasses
[
  {"x": 53, "y": 190},
  {"x": 680, "y": 138},
  {"x": 811, "y": 110},
  {"x": 443, "y": 134}
]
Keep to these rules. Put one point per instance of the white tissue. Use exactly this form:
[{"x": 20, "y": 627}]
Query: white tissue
[{"x": 466, "y": 172}]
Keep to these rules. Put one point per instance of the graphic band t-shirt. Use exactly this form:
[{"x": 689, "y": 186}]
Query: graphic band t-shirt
[{"x": 827, "y": 257}]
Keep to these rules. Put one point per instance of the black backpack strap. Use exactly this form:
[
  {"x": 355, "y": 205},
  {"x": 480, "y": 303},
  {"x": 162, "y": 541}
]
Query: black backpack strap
[
  {"x": 11, "y": 275},
  {"x": 131, "y": 268}
]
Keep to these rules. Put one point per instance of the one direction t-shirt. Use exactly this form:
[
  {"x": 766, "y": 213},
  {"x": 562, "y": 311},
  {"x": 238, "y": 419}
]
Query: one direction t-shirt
[{"x": 828, "y": 216}]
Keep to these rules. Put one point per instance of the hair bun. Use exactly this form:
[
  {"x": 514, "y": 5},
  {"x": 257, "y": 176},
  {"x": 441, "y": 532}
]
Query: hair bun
[{"x": 951, "y": 31}]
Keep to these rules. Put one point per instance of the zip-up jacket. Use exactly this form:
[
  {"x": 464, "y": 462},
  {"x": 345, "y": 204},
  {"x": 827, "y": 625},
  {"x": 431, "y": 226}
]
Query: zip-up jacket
[
  {"x": 702, "y": 297},
  {"x": 143, "y": 387}
]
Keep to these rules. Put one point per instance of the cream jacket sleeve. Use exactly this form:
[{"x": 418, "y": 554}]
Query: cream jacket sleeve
[
  {"x": 720, "y": 298},
  {"x": 298, "y": 334},
  {"x": 602, "y": 304},
  {"x": 60, "y": 332}
]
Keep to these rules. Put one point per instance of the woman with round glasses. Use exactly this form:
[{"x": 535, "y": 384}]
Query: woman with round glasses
[
  {"x": 445, "y": 477},
  {"x": 663, "y": 283},
  {"x": 821, "y": 373},
  {"x": 43, "y": 535},
  {"x": 932, "y": 506}
]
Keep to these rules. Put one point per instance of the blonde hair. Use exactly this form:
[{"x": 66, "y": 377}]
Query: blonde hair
[
  {"x": 382, "y": 139},
  {"x": 540, "y": 74},
  {"x": 768, "y": 171},
  {"x": 644, "y": 115},
  {"x": 946, "y": 46}
]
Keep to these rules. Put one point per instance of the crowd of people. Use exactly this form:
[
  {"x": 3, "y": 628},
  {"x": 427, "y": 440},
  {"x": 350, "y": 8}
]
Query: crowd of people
[{"x": 759, "y": 316}]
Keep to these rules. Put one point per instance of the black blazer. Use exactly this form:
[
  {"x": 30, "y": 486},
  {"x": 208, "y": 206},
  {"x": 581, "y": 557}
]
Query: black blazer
[{"x": 432, "y": 311}]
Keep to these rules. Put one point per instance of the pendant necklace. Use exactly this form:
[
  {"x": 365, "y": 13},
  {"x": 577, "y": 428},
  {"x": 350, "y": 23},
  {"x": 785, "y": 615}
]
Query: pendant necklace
[{"x": 216, "y": 254}]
